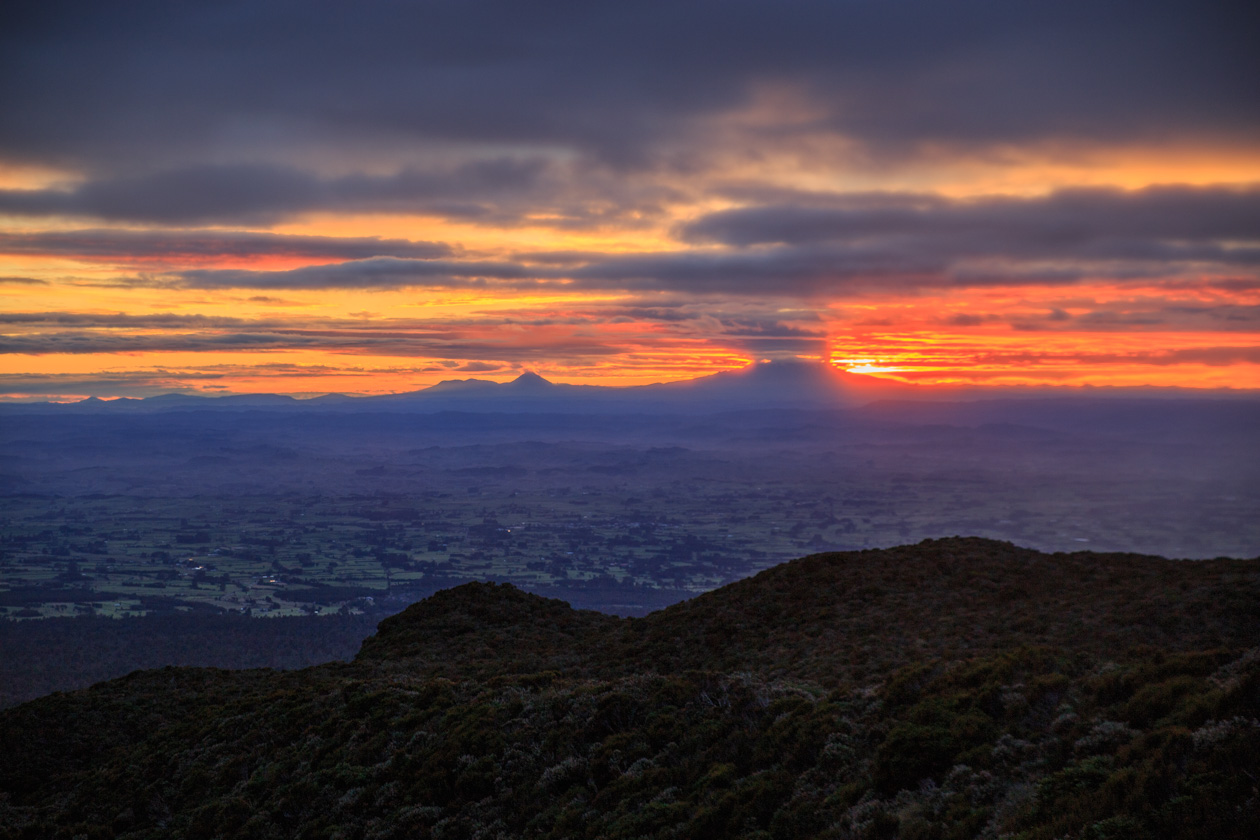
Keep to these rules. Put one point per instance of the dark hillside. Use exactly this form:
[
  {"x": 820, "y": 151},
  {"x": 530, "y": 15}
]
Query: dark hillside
[
  {"x": 857, "y": 615},
  {"x": 40, "y": 657},
  {"x": 484, "y": 630},
  {"x": 955, "y": 689},
  {"x": 847, "y": 617}
]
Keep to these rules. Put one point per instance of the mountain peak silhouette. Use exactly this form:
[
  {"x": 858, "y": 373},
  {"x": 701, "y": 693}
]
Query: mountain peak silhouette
[
  {"x": 531, "y": 380},
  {"x": 788, "y": 381}
]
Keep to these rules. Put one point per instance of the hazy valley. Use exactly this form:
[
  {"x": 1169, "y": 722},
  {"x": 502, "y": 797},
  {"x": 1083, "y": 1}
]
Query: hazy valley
[{"x": 198, "y": 511}]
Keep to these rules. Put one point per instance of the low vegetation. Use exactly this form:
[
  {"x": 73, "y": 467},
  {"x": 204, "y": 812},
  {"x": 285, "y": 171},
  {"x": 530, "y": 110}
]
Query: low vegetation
[
  {"x": 40, "y": 657},
  {"x": 953, "y": 689}
]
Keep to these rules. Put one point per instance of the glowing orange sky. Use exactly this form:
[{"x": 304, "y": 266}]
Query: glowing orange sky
[
  {"x": 378, "y": 340},
  {"x": 117, "y": 324},
  {"x": 918, "y": 219}
]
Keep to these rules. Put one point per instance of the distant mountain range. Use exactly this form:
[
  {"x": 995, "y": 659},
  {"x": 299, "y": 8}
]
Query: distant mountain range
[{"x": 764, "y": 385}]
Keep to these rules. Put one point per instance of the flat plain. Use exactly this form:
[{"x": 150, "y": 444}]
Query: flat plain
[{"x": 272, "y": 515}]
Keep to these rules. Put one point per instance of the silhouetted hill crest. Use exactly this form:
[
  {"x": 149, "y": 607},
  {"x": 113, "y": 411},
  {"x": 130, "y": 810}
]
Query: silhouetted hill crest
[
  {"x": 959, "y": 596},
  {"x": 550, "y": 722},
  {"x": 484, "y": 626},
  {"x": 531, "y": 381},
  {"x": 845, "y": 616}
]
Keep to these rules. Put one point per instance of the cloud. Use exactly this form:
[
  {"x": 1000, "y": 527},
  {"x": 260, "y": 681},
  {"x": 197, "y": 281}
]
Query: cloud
[
  {"x": 763, "y": 328},
  {"x": 106, "y": 384},
  {"x": 782, "y": 271},
  {"x": 108, "y": 320},
  {"x": 838, "y": 245},
  {"x": 1157, "y": 314},
  {"x": 1214, "y": 356},
  {"x": 157, "y": 84},
  {"x": 472, "y": 340},
  {"x": 1223, "y": 284},
  {"x": 764, "y": 345},
  {"x": 152, "y": 382},
  {"x": 79, "y": 343},
  {"x": 1160, "y": 222},
  {"x": 265, "y": 194},
  {"x": 375, "y": 273},
  {"x": 786, "y": 271},
  {"x": 124, "y": 246}
]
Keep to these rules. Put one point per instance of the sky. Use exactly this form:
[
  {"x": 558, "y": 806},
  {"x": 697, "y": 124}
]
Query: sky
[{"x": 371, "y": 197}]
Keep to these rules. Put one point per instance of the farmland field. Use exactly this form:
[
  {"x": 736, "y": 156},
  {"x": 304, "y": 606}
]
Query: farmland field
[{"x": 656, "y": 528}]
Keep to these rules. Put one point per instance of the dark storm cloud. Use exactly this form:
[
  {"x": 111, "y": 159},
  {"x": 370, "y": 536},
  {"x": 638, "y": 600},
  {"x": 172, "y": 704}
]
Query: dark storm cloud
[
  {"x": 147, "y": 383},
  {"x": 1222, "y": 284},
  {"x": 412, "y": 345},
  {"x": 129, "y": 245},
  {"x": 828, "y": 245},
  {"x": 762, "y": 328},
  {"x": 626, "y": 314},
  {"x": 1214, "y": 356},
  {"x": 367, "y": 327},
  {"x": 1155, "y": 222},
  {"x": 113, "y": 384},
  {"x": 94, "y": 320},
  {"x": 375, "y": 273},
  {"x": 258, "y": 193},
  {"x": 789, "y": 271},
  {"x": 837, "y": 242},
  {"x": 759, "y": 336},
  {"x": 815, "y": 347},
  {"x": 1218, "y": 318},
  {"x": 159, "y": 84},
  {"x": 963, "y": 319},
  {"x": 377, "y": 342},
  {"x": 97, "y": 342},
  {"x": 834, "y": 270},
  {"x": 1132, "y": 316}
]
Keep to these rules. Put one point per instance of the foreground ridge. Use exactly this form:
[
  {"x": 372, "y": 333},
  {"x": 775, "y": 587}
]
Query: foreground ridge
[
  {"x": 956, "y": 688},
  {"x": 844, "y": 617}
]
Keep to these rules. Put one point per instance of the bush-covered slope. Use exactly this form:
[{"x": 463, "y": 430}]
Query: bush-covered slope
[
  {"x": 846, "y": 617},
  {"x": 61, "y": 654},
  {"x": 486, "y": 630},
  {"x": 959, "y": 688},
  {"x": 854, "y": 616}
]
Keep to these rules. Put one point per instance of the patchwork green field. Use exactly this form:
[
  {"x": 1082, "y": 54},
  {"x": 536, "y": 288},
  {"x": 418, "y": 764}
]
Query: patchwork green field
[
  {"x": 275, "y": 515},
  {"x": 295, "y": 555},
  {"x": 268, "y": 556}
]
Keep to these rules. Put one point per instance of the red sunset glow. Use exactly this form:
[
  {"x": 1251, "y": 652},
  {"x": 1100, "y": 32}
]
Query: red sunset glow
[{"x": 790, "y": 215}]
